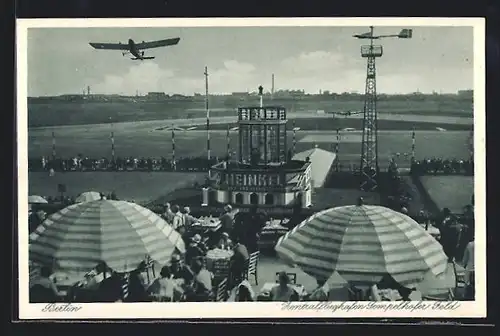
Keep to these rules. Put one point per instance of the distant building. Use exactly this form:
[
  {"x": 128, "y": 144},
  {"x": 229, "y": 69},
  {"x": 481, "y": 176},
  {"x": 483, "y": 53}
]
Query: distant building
[
  {"x": 156, "y": 95},
  {"x": 465, "y": 93}
]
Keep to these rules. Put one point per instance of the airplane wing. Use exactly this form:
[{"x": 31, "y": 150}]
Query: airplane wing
[
  {"x": 109, "y": 46},
  {"x": 157, "y": 44}
]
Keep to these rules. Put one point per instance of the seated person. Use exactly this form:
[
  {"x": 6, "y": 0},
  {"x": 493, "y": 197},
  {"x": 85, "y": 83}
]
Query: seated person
[
  {"x": 43, "y": 289},
  {"x": 283, "y": 292},
  {"x": 321, "y": 292},
  {"x": 179, "y": 270},
  {"x": 225, "y": 243},
  {"x": 202, "y": 288},
  {"x": 137, "y": 284},
  {"x": 110, "y": 289},
  {"x": 195, "y": 249},
  {"x": 244, "y": 292},
  {"x": 239, "y": 262},
  {"x": 165, "y": 286},
  {"x": 468, "y": 261}
]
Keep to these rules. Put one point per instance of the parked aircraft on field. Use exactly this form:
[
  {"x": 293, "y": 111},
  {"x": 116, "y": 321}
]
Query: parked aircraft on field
[
  {"x": 346, "y": 113},
  {"x": 136, "y": 49}
]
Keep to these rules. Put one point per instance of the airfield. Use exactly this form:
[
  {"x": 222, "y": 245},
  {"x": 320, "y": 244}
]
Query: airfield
[
  {"x": 154, "y": 138},
  {"x": 436, "y": 136}
]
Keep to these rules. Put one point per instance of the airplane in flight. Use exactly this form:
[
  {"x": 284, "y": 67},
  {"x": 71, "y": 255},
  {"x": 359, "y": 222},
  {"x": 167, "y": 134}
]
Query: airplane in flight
[
  {"x": 404, "y": 33},
  {"x": 136, "y": 49}
]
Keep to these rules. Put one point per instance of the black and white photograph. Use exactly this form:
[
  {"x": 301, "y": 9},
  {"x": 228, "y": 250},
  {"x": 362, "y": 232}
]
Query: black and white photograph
[{"x": 331, "y": 166}]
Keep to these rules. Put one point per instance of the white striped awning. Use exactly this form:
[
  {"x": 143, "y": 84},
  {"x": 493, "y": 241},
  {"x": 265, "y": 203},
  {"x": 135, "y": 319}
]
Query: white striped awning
[
  {"x": 363, "y": 243},
  {"x": 88, "y": 196},
  {"x": 35, "y": 199},
  {"x": 120, "y": 233}
]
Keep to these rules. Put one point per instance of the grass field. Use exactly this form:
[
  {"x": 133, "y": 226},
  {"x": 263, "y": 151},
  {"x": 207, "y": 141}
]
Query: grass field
[
  {"x": 441, "y": 188},
  {"x": 78, "y": 113},
  {"x": 141, "y": 187}
]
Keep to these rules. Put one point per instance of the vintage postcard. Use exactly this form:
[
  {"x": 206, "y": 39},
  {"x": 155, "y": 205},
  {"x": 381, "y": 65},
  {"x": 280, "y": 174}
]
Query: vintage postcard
[{"x": 243, "y": 168}]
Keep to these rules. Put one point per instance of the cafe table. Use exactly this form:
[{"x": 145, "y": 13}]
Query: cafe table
[
  {"x": 207, "y": 223},
  {"x": 219, "y": 262}
]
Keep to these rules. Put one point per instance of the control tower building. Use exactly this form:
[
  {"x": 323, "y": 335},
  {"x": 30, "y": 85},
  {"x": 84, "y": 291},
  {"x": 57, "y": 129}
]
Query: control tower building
[{"x": 264, "y": 174}]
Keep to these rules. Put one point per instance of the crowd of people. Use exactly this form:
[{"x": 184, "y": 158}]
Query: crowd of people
[
  {"x": 442, "y": 166},
  {"x": 186, "y": 277},
  {"x": 83, "y": 163}
]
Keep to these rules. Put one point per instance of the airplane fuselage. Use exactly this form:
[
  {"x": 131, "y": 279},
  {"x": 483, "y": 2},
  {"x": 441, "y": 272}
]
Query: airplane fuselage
[{"x": 133, "y": 50}]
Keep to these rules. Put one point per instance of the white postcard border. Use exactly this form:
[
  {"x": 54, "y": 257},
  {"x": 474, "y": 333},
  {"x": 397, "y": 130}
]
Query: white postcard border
[{"x": 466, "y": 309}]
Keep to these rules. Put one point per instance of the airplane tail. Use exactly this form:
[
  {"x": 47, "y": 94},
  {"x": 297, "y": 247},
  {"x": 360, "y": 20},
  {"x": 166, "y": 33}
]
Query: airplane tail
[
  {"x": 406, "y": 33},
  {"x": 142, "y": 58}
]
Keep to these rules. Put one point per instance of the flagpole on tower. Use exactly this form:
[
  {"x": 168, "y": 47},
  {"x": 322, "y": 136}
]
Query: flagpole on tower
[
  {"x": 337, "y": 144},
  {"x": 208, "y": 114},
  {"x": 112, "y": 147},
  {"x": 174, "y": 165},
  {"x": 272, "y": 87},
  {"x": 228, "y": 139},
  {"x": 413, "y": 145},
  {"x": 53, "y": 146},
  {"x": 260, "y": 96}
]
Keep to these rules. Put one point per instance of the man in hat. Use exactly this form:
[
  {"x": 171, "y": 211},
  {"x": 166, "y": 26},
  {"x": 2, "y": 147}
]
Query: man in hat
[
  {"x": 179, "y": 270},
  {"x": 195, "y": 249}
]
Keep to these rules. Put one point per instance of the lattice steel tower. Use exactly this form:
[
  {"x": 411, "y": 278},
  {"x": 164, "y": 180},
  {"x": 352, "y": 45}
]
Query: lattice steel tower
[{"x": 369, "y": 146}]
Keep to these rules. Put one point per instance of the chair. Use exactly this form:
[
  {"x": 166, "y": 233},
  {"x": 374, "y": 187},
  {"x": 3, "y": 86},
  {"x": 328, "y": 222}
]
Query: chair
[
  {"x": 470, "y": 289},
  {"x": 251, "y": 267},
  {"x": 355, "y": 294},
  {"x": 221, "y": 293},
  {"x": 291, "y": 276}
]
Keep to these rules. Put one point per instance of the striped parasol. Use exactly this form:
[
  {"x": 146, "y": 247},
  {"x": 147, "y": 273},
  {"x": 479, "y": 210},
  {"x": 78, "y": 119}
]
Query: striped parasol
[
  {"x": 35, "y": 199},
  {"x": 120, "y": 233},
  {"x": 363, "y": 243},
  {"x": 88, "y": 196}
]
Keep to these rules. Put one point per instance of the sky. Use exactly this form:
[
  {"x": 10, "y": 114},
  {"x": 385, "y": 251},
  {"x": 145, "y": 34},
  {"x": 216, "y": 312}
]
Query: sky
[{"x": 61, "y": 61}]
